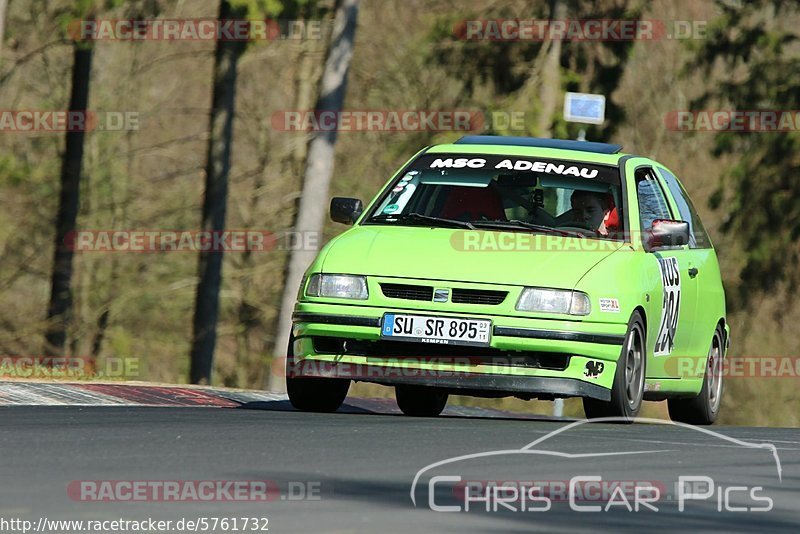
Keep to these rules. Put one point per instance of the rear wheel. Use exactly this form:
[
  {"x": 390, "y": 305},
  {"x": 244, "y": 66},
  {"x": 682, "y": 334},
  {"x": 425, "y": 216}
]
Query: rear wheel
[
  {"x": 627, "y": 390},
  {"x": 703, "y": 409},
  {"x": 313, "y": 394},
  {"x": 420, "y": 401}
]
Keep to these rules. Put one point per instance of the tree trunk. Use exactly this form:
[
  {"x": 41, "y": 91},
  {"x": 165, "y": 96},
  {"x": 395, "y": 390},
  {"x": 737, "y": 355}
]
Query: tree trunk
[
  {"x": 251, "y": 344},
  {"x": 60, "y": 307},
  {"x": 316, "y": 181},
  {"x": 306, "y": 83},
  {"x": 551, "y": 76},
  {"x": 3, "y": 6},
  {"x": 218, "y": 160}
]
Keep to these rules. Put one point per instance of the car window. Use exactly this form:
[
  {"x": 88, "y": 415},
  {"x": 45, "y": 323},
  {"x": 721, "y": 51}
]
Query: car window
[
  {"x": 698, "y": 238},
  {"x": 652, "y": 202}
]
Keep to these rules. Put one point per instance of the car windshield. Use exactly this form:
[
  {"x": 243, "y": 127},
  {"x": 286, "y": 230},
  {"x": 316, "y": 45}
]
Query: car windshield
[{"x": 505, "y": 193}]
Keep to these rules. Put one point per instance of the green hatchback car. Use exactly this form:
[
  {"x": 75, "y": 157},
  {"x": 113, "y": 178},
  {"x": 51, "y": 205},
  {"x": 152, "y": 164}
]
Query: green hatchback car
[{"x": 514, "y": 266}]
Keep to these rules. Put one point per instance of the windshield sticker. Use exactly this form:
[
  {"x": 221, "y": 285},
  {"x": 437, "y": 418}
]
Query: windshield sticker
[
  {"x": 671, "y": 305},
  {"x": 399, "y": 197},
  {"x": 458, "y": 163},
  {"x": 516, "y": 165},
  {"x": 609, "y": 305},
  {"x": 549, "y": 168}
]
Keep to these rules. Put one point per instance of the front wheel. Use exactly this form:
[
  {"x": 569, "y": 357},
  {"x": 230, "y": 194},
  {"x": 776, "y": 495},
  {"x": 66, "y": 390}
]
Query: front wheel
[
  {"x": 627, "y": 391},
  {"x": 420, "y": 401},
  {"x": 313, "y": 394},
  {"x": 703, "y": 409},
  {"x": 317, "y": 394}
]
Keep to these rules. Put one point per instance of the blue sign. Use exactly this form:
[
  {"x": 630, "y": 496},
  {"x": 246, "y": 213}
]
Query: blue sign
[{"x": 585, "y": 108}]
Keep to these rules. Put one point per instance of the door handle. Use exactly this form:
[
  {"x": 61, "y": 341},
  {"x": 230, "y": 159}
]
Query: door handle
[{"x": 693, "y": 272}]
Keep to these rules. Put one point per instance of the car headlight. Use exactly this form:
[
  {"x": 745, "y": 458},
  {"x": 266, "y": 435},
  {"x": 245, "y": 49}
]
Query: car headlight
[
  {"x": 343, "y": 286},
  {"x": 536, "y": 299}
]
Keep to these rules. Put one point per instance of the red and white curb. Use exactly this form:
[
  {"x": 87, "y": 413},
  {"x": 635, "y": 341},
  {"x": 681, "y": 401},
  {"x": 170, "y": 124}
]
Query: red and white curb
[
  {"x": 97, "y": 394},
  {"x": 20, "y": 393}
]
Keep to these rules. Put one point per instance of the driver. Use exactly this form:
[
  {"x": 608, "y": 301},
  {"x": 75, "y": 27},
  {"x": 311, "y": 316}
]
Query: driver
[{"x": 590, "y": 209}]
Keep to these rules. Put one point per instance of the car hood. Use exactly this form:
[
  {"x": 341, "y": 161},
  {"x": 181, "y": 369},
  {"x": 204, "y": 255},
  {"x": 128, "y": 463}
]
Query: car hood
[{"x": 499, "y": 257}]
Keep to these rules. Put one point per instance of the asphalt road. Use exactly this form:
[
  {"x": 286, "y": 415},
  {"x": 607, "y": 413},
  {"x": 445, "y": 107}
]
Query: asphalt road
[{"x": 358, "y": 468}]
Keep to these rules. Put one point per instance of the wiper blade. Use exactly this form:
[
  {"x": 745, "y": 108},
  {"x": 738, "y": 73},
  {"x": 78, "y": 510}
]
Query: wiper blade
[
  {"x": 409, "y": 217},
  {"x": 516, "y": 223}
]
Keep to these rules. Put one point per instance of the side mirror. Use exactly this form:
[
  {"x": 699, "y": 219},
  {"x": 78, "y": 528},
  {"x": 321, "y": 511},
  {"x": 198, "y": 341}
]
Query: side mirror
[
  {"x": 346, "y": 210},
  {"x": 667, "y": 233}
]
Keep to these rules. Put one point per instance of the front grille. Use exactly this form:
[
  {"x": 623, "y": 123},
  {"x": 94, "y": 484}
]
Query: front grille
[
  {"x": 459, "y": 296},
  {"x": 441, "y": 353},
  {"x": 407, "y": 291},
  {"x": 478, "y": 296}
]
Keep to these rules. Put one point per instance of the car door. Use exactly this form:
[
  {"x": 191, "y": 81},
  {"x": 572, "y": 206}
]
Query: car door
[
  {"x": 671, "y": 332},
  {"x": 703, "y": 267}
]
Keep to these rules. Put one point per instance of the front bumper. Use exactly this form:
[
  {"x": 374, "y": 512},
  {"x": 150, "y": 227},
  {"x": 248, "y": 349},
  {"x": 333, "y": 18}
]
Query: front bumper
[{"x": 588, "y": 350}]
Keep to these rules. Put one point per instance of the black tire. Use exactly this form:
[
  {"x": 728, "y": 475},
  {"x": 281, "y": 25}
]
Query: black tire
[
  {"x": 704, "y": 408},
  {"x": 313, "y": 394},
  {"x": 627, "y": 390},
  {"x": 418, "y": 401}
]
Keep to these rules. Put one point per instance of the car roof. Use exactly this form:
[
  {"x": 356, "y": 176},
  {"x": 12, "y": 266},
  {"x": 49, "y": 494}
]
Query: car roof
[
  {"x": 539, "y": 142},
  {"x": 590, "y": 152}
]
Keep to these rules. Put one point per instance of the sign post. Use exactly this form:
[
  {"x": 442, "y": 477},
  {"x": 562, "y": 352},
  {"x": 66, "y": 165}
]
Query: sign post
[{"x": 584, "y": 108}]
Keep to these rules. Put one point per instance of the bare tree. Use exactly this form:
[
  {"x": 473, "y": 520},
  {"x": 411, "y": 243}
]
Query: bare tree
[
  {"x": 3, "y": 6},
  {"x": 316, "y": 181},
  {"x": 551, "y": 76},
  {"x": 218, "y": 162},
  {"x": 60, "y": 307}
]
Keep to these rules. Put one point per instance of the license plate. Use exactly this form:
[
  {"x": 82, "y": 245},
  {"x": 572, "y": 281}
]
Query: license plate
[{"x": 436, "y": 330}]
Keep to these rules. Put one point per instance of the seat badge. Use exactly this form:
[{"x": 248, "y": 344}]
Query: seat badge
[{"x": 440, "y": 295}]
